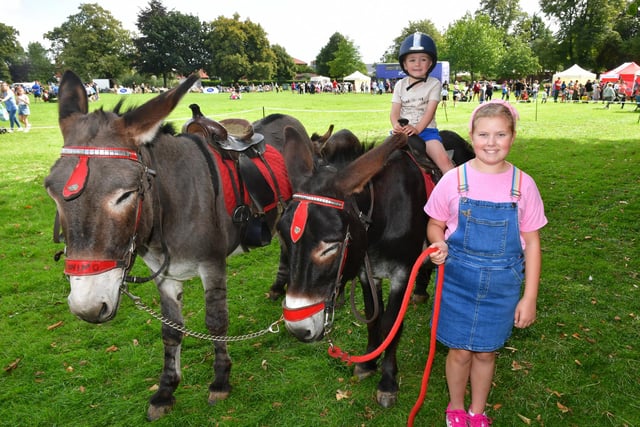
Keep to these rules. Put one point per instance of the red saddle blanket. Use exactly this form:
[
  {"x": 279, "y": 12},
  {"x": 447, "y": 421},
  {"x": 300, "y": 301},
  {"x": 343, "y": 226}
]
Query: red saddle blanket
[{"x": 229, "y": 176}]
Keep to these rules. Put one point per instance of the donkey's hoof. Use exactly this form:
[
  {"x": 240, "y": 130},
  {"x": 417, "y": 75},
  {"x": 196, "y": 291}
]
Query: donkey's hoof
[
  {"x": 362, "y": 372},
  {"x": 156, "y": 412},
  {"x": 387, "y": 399},
  {"x": 274, "y": 295},
  {"x": 215, "y": 396}
]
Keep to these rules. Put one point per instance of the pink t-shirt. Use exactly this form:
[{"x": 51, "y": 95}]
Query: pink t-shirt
[{"x": 444, "y": 200}]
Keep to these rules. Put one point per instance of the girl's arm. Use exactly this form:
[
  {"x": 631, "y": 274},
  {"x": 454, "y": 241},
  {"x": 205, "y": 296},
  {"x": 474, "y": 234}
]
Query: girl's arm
[
  {"x": 435, "y": 235},
  {"x": 525, "y": 313}
]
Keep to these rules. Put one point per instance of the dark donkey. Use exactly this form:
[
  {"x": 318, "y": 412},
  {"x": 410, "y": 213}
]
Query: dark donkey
[
  {"x": 126, "y": 185},
  {"x": 334, "y": 220}
]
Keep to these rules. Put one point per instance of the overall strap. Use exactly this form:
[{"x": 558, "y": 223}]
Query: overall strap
[
  {"x": 463, "y": 185},
  {"x": 516, "y": 183}
]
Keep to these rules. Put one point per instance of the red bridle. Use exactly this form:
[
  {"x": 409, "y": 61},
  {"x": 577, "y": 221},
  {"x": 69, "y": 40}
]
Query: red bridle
[
  {"x": 75, "y": 186},
  {"x": 297, "y": 229}
]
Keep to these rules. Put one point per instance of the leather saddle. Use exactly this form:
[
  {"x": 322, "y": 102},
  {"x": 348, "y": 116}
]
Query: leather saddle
[{"x": 235, "y": 140}]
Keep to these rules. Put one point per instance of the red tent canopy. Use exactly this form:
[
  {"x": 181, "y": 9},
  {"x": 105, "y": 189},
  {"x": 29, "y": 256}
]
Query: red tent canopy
[{"x": 629, "y": 72}]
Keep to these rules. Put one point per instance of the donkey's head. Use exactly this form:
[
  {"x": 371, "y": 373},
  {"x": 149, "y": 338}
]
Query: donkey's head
[
  {"x": 324, "y": 238},
  {"x": 98, "y": 185}
]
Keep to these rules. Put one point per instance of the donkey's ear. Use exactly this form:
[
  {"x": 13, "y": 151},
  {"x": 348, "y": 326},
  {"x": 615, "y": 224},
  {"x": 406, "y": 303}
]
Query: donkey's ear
[
  {"x": 355, "y": 176},
  {"x": 141, "y": 124},
  {"x": 298, "y": 157},
  {"x": 72, "y": 100}
]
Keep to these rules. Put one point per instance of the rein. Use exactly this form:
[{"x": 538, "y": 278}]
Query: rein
[{"x": 337, "y": 353}]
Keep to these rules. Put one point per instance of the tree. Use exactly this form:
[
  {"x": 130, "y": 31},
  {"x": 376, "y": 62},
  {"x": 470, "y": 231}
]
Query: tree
[
  {"x": 518, "y": 61},
  {"x": 10, "y": 50},
  {"x": 584, "y": 27},
  {"x": 239, "y": 50},
  {"x": 92, "y": 43},
  {"x": 533, "y": 31},
  {"x": 328, "y": 54},
  {"x": 503, "y": 14},
  {"x": 285, "y": 67},
  {"x": 40, "y": 66},
  {"x": 346, "y": 60},
  {"x": 426, "y": 27},
  {"x": 170, "y": 42},
  {"x": 474, "y": 45}
]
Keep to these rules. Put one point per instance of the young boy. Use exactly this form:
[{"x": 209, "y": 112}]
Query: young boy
[{"x": 416, "y": 97}]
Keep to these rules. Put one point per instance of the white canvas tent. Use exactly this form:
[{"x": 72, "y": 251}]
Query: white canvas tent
[
  {"x": 575, "y": 73},
  {"x": 358, "y": 78}
]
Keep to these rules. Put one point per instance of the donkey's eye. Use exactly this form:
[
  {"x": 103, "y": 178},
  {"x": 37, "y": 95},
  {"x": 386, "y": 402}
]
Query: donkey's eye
[
  {"x": 125, "y": 196},
  {"x": 333, "y": 247},
  {"x": 325, "y": 252}
]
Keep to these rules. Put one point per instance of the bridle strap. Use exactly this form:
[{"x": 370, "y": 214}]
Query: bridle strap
[{"x": 82, "y": 267}]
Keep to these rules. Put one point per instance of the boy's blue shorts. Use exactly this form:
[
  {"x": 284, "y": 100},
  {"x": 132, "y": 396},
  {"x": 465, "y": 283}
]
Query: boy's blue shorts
[{"x": 429, "y": 134}]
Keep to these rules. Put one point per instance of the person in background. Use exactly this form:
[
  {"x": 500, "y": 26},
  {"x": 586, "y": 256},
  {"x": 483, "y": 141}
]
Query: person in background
[
  {"x": 608, "y": 94},
  {"x": 415, "y": 97},
  {"x": 485, "y": 218},
  {"x": 9, "y": 98},
  {"x": 24, "y": 111},
  {"x": 36, "y": 90}
]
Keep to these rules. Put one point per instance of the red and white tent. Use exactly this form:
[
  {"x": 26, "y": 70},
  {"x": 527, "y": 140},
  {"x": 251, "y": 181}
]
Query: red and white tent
[{"x": 627, "y": 72}]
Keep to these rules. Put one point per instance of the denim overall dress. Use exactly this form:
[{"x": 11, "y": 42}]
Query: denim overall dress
[{"x": 484, "y": 272}]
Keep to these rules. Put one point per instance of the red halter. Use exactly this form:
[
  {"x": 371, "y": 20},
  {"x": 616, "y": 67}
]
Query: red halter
[
  {"x": 297, "y": 229},
  {"x": 74, "y": 187}
]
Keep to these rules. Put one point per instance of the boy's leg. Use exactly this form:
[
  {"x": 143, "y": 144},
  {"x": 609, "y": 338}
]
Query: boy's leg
[{"x": 437, "y": 153}]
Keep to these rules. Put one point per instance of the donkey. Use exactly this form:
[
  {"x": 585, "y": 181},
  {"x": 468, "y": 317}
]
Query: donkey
[
  {"x": 124, "y": 186},
  {"x": 368, "y": 213}
]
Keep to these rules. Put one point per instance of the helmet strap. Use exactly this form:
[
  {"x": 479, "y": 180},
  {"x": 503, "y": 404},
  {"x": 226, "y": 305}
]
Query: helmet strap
[{"x": 423, "y": 79}]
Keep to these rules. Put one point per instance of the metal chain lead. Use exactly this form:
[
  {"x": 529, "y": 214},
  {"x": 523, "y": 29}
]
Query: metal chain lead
[{"x": 274, "y": 328}]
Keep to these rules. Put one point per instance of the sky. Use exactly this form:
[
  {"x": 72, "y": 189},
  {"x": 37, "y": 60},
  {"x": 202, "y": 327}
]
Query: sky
[{"x": 302, "y": 28}]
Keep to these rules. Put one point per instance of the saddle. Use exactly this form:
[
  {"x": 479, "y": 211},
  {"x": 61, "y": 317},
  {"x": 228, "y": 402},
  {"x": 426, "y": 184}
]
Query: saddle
[
  {"x": 241, "y": 154},
  {"x": 415, "y": 146}
]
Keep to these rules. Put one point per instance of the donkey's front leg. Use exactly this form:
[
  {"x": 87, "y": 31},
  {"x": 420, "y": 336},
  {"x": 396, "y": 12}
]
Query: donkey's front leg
[{"x": 171, "y": 305}]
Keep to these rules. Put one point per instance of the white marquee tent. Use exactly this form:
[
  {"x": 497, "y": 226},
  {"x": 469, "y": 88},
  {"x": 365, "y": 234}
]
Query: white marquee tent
[
  {"x": 358, "y": 78},
  {"x": 575, "y": 73}
]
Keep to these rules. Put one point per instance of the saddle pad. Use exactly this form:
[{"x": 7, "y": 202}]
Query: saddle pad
[{"x": 229, "y": 175}]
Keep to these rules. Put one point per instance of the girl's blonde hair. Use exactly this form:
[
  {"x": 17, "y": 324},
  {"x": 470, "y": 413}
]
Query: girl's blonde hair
[{"x": 493, "y": 108}]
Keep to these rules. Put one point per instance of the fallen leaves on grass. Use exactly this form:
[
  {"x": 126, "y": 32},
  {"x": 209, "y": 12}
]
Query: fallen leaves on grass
[
  {"x": 55, "y": 325},
  {"x": 343, "y": 394},
  {"x": 112, "y": 349},
  {"x": 525, "y": 420},
  {"x": 13, "y": 365},
  {"x": 563, "y": 408}
]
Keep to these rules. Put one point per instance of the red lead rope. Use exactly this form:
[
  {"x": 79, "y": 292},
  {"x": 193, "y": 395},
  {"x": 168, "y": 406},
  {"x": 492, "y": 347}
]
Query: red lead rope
[{"x": 337, "y": 353}]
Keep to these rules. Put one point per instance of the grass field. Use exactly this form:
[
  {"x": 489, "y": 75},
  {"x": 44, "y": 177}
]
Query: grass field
[{"x": 578, "y": 365}]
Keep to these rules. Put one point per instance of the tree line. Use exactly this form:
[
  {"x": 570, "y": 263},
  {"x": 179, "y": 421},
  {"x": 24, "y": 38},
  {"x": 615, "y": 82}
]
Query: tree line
[{"x": 497, "y": 41}]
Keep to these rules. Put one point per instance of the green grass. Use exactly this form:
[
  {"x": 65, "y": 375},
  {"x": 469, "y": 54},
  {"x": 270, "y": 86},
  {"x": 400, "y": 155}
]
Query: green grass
[{"x": 578, "y": 365}]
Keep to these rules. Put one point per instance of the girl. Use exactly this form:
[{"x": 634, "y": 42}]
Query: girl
[
  {"x": 23, "y": 108},
  {"x": 9, "y": 98},
  {"x": 484, "y": 221}
]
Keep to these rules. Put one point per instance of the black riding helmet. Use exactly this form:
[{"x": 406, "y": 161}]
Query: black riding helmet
[{"x": 418, "y": 43}]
